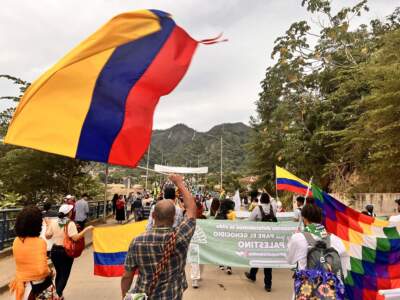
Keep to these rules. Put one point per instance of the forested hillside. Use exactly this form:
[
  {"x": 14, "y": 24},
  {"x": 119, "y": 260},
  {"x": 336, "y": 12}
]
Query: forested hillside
[{"x": 330, "y": 106}]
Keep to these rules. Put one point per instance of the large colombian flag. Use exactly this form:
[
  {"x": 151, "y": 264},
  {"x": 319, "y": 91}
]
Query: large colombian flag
[
  {"x": 373, "y": 245},
  {"x": 97, "y": 103},
  {"x": 111, "y": 245}
]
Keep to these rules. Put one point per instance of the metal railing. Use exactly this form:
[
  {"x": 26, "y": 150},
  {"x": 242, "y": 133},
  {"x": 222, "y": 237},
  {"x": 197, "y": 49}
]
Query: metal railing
[{"x": 8, "y": 216}]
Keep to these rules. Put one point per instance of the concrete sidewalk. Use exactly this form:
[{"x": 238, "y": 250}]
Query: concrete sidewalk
[
  {"x": 215, "y": 284},
  {"x": 7, "y": 265}
]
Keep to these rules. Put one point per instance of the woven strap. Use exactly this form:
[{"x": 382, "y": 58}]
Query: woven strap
[{"x": 168, "y": 250}]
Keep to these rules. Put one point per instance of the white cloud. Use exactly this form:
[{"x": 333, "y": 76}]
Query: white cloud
[{"x": 222, "y": 83}]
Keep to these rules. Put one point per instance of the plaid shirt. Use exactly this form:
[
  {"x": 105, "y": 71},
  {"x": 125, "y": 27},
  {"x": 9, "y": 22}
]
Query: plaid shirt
[{"x": 147, "y": 250}]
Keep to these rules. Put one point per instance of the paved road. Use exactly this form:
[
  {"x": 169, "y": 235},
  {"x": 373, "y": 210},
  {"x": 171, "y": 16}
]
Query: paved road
[{"x": 214, "y": 285}]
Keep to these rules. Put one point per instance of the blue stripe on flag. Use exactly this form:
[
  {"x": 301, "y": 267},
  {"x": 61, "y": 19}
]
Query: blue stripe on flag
[{"x": 109, "y": 259}]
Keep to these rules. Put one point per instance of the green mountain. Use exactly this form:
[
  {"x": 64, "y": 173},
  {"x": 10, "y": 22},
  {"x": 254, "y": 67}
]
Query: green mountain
[{"x": 181, "y": 145}]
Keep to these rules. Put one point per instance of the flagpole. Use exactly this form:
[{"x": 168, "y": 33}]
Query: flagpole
[
  {"x": 276, "y": 186},
  {"x": 309, "y": 186}
]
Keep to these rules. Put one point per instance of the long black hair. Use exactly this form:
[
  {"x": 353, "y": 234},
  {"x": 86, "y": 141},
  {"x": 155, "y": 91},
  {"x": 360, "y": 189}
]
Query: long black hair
[{"x": 224, "y": 208}]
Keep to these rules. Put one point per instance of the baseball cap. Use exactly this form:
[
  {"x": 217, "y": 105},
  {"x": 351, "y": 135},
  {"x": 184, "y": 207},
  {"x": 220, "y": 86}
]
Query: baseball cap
[
  {"x": 65, "y": 208},
  {"x": 397, "y": 201},
  {"x": 69, "y": 197}
]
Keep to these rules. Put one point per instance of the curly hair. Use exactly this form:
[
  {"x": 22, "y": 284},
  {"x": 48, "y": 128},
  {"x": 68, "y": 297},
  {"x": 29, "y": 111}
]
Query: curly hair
[{"x": 29, "y": 222}]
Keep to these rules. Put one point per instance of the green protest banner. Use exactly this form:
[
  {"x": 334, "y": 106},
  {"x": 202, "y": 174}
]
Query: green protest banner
[{"x": 241, "y": 243}]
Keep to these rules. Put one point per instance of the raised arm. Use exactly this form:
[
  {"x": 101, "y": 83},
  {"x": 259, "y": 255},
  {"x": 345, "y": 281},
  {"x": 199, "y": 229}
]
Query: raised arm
[
  {"x": 78, "y": 236},
  {"x": 190, "y": 204}
]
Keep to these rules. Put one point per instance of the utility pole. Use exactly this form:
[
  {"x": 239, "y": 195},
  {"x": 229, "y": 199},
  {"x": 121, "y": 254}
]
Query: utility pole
[
  {"x": 221, "y": 161},
  {"x": 105, "y": 195},
  {"x": 162, "y": 161},
  {"x": 147, "y": 166}
]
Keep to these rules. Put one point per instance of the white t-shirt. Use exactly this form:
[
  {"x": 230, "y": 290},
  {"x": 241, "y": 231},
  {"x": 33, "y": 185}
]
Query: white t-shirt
[
  {"x": 297, "y": 214},
  {"x": 49, "y": 243},
  {"x": 256, "y": 212},
  {"x": 58, "y": 232},
  {"x": 298, "y": 247},
  {"x": 208, "y": 204},
  {"x": 394, "y": 219}
]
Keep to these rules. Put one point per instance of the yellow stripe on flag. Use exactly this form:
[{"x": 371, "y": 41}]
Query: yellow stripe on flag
[
  {"x": 380, "y": 223},
  {"x": 355, "y": 237},
  {"x": 366, "y": 228},
  {"x": 282, "y": 173},
  {"x": 116, "y": 238}
]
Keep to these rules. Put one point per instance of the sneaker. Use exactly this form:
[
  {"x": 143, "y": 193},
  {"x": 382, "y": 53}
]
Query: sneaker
[
  {"x": 222, "y": 268},
  {"x": 195, "y": 283},
  {"x": 268, "y": 289},
  {"x": 248, "y": 276},
  {"x": 229, "y": 270}
]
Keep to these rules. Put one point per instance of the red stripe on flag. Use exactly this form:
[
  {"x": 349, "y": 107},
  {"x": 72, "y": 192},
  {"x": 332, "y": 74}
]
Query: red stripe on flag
[
  {"x": 383, "y": 283},
  {"x": 342, "y": 232},
  {"x": 161, "y": 77},
  {"x": 109, "y": 271},
  {"x": 371, "y": 295},
  {"x": 294, "y": 189},
  {"x": 348, "y": 221},
  {"x": 331, "y": 226},
  {"x": 394, "y": 270}
]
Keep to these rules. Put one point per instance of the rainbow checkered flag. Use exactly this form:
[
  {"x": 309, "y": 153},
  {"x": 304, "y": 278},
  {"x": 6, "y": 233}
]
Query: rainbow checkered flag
[{"x": 373, "y": 246}]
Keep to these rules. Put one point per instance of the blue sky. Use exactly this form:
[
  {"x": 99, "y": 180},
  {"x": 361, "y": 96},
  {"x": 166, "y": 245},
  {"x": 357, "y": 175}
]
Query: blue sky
[{"x": 223, "y": 81}]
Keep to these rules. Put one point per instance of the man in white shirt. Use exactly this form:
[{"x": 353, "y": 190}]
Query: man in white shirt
[
  {"x": 297, "y": 211},
  {"x": 209, "y": 202},
  {"x": 396, "y": 218},
  {"x": 298, "y": 246}
]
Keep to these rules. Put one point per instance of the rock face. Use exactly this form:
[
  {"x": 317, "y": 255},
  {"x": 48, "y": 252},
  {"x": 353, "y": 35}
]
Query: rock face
[{"x": 183, "y": 146}]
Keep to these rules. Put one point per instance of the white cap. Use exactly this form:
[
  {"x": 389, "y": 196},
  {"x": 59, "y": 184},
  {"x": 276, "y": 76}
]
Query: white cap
[
  {"x": 65, "y": 208},
  {"x": 69, "y": 197}
]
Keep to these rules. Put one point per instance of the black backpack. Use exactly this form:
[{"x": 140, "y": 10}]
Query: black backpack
[{"x": 270, "y": 217}]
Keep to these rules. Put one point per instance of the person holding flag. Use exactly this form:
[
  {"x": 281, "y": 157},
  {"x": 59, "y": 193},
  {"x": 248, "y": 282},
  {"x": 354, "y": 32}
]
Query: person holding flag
[{"x": 160, "y": 253}]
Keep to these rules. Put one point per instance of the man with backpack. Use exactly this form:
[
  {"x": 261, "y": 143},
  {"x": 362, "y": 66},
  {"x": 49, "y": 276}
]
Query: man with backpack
[
  {"x": 316, "y": 252},
  {"x": 265, "y": 212}
]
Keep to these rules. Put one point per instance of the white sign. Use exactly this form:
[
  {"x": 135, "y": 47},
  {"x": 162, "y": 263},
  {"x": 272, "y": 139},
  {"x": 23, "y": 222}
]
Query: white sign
[{"x": 180, "y": 170}]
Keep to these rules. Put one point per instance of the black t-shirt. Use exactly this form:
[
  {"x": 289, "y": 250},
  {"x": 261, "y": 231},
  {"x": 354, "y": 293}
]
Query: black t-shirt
[{"x": 137, "y": 204}]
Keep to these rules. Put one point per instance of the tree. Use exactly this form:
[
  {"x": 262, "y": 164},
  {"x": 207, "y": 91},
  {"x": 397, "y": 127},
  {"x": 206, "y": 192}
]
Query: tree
[
  {"x": 33, "y": 175},
  {"x": 377, "y": 130},
  {"x": 312, "y": 95}
]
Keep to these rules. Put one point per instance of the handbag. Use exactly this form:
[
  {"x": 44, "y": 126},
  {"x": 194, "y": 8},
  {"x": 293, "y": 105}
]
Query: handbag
[
  {"x": 73, "y": 248},
  {"x": 168, "y": 250}
]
